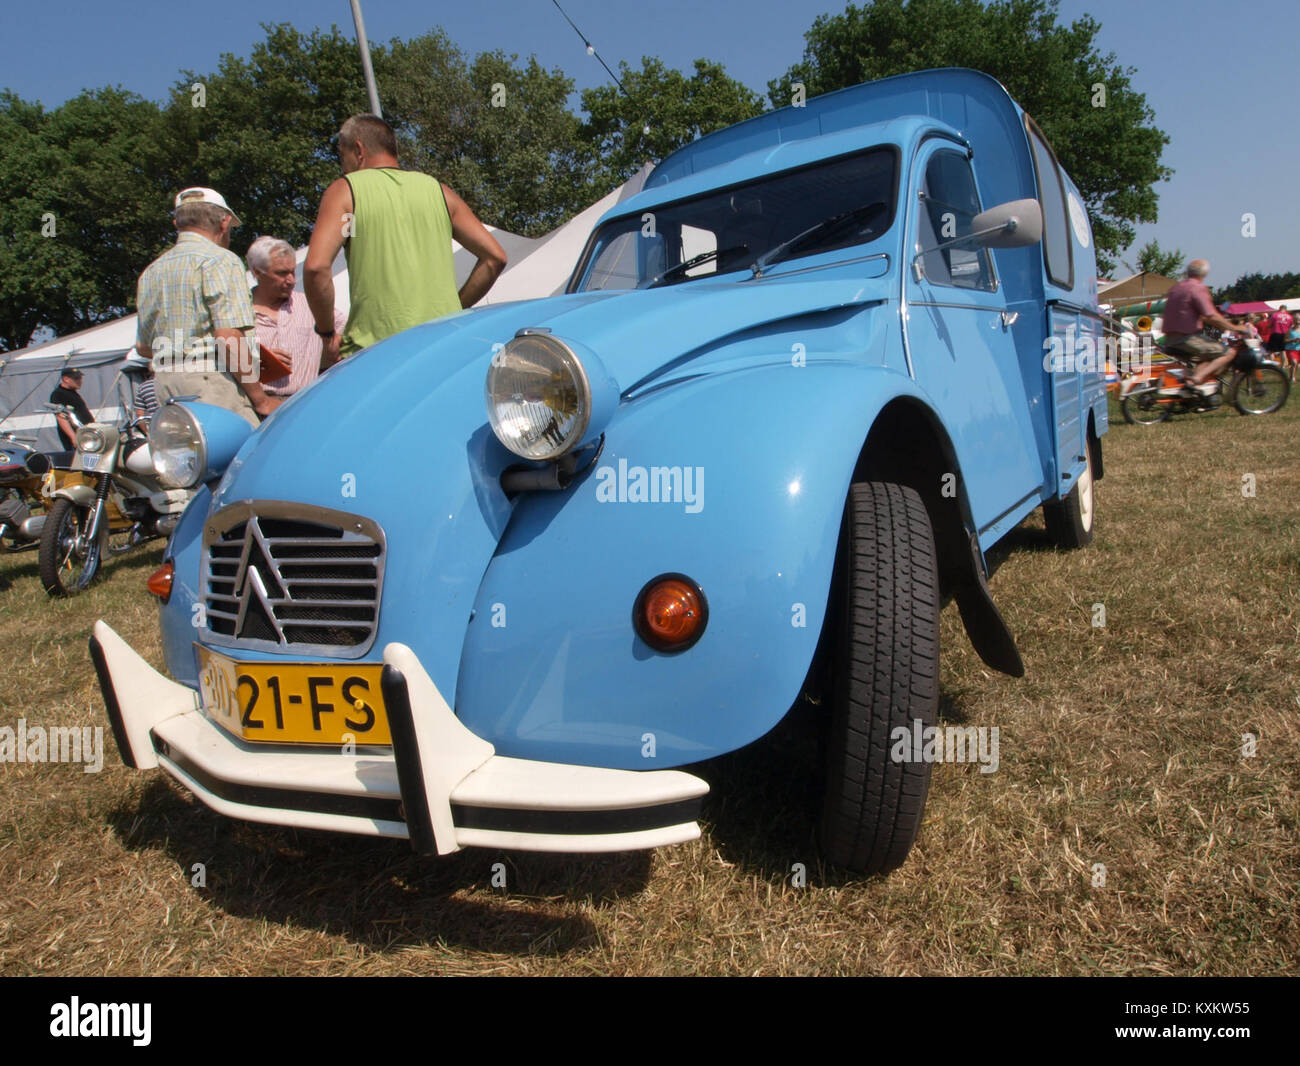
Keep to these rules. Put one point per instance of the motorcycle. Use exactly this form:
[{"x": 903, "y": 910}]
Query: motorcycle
[
  {"x": 24, "y": 472},
  {"x": 1252, "y": 384},
  {"x": 119, "y": 504}
]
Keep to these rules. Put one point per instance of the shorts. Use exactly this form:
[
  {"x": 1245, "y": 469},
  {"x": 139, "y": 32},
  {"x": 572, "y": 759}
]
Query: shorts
[
  {"x": 1276, "y": 343},
  {"x": 1194, "y": 347},
  {"x": 1293, "y": 356}
]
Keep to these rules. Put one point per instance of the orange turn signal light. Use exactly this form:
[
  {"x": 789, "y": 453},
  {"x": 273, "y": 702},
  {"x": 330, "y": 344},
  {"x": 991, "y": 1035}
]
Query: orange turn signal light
[
  {"x": 670, "y": 613},
  {"x": 160, "y": 581}
]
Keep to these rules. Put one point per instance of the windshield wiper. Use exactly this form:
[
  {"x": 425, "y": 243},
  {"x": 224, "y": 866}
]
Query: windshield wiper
[
  {"x": 826, "y": 225},
  {"x": 694, "y": 261}
]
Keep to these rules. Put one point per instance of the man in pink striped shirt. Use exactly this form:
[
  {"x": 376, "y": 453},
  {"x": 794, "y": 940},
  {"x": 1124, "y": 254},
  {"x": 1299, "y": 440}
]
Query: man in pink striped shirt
[{"x": 282, "y": 318}]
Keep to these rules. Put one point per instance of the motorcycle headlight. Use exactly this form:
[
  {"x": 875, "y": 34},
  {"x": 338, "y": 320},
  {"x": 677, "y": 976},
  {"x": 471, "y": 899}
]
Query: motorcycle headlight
[
  {"x": 538, "y": 396},
  {"x": 90, "y": 439},
  {"x": 178, "y": 447}
]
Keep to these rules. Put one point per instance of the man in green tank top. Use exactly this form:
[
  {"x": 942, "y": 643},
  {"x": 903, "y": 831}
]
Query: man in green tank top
[{"x": 396, "y": 227}]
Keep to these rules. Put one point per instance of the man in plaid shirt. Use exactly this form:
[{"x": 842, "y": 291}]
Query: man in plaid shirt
[{"x": 196, "y": 318}]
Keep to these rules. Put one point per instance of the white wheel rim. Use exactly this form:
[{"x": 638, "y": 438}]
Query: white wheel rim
[{"x": 1085, "y": 494}]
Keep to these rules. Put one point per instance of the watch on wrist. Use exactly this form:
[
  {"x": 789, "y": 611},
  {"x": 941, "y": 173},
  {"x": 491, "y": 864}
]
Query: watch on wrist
[{"x": 325, "y": 332}]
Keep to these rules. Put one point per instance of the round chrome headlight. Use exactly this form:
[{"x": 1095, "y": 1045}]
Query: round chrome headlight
[
  {"x": 90, "y": 440},
  {"x": 177, "y": 446},
  {"x": 538, "y": 396}
]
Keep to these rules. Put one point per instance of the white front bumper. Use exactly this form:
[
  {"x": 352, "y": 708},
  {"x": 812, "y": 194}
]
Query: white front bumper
[{"x": 443, "y": 787}]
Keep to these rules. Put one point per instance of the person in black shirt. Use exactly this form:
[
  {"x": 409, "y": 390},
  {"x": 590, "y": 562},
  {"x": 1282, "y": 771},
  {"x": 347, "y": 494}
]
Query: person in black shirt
[{"x": 66, "y": 393}]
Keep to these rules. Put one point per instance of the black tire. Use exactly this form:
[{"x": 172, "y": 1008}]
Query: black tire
[
  {"x": 63, "y": 572},
  {"x": 1261, "y": 391},
  {"x": 1070, "y": 521},
  {"x": 1143, "y": 407},
  {"x": 884, "y": 675}
]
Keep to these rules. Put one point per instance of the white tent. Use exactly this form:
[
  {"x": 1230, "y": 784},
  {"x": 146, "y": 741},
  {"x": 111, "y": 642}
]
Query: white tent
[{"x": 546, "y": 270}]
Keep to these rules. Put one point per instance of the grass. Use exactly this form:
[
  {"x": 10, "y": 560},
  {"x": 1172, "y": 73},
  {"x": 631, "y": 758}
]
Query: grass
[{"x": 1122, "y": 746}]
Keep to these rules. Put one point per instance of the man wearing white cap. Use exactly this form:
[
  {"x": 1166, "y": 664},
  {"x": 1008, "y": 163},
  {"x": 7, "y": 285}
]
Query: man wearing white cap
[{"x": 196, "y": 317}]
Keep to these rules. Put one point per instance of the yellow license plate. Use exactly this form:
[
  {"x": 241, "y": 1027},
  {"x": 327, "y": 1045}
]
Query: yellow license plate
[{"x": 294, "y": 703}]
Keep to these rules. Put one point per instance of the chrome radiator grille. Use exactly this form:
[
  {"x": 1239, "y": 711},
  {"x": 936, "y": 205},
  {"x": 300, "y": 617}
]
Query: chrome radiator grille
[{"x": 280, "y": 576}]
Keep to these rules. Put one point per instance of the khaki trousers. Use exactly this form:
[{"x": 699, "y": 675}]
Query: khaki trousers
[{"x": 214, "y": 387}]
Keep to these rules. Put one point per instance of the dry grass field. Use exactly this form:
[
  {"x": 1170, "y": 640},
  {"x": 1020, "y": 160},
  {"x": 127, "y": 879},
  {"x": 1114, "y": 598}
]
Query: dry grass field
[{"x": 1123, "y": 746}]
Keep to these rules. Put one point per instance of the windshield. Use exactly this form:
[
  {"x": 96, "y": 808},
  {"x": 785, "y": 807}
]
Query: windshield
[{"x": 831, "y": 204}]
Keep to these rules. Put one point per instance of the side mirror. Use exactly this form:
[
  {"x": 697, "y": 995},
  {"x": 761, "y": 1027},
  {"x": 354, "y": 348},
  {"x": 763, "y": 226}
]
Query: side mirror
[{"x": 1011, "y": 225}]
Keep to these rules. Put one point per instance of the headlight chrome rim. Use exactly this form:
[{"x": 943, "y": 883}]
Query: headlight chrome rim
[
  {"x": 566, "y": 360},
  {"x": 173, "y": 431},
  {"x": 90, "y": 440}
]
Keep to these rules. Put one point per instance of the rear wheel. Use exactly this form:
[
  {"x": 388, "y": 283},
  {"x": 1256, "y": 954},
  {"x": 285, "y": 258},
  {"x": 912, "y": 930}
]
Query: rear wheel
[
  {"x": 1261, "y": 391},
  {"x": 1145, "y": 407},
  {"x": 67, "y": 565},
  {"x": 885, "y": 678},
  {"x": 1069, "y": 521}
]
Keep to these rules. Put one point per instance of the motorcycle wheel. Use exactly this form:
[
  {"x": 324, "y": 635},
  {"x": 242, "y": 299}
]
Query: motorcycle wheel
[
  {"x": 64, "y": 572},
  {"x": 1261, "y": 391},
  {"x": 1145, "y": 407}
]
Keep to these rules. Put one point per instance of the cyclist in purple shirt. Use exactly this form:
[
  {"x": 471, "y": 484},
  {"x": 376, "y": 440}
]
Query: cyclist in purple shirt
[{"x": 1189, "y": 310}]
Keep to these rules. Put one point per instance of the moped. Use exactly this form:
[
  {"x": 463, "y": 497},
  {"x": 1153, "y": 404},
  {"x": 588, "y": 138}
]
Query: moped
[{"x": 1252, "y": 384}]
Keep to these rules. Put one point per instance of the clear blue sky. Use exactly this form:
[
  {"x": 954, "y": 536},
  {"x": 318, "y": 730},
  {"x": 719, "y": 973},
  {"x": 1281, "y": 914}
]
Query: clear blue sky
[{"x": 1213, "y": 72}]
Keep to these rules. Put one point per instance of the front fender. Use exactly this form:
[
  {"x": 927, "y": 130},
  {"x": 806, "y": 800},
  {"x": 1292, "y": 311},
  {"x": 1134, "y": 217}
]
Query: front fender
[
  {"x": 81, "y": 495},
  {"x": 552, "y": 668}
]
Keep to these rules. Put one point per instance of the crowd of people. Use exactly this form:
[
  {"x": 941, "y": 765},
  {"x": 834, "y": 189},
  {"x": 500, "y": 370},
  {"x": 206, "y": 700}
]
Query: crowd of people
[
  {"x": 1278, "y": 330},
  {"x": 203, "y": 333}
]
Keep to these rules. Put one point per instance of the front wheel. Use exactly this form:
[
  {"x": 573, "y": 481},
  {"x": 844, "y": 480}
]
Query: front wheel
[
  {"x": 1260, "y": 391},
  {"x": 66, "y": 564},
  {"x": 885, "y": 679}
]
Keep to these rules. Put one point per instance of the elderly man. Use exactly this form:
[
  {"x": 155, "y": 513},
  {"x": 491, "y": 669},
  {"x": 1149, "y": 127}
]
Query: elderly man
[
  {"x": 285, "y": 326},
  {"x": 398, "y": 227},
  {"x": 196, "y": 320},
  {"x": 1188, "y": 310}
]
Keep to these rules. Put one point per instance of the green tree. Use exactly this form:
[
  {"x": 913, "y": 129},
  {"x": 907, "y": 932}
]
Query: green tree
[
  {"x": 662, "y": 110},
  {"x": 1154, "y": 259},
  {"x": 499, "y": 133},
  {"x": 1251, "y": 287},
  {"x": 1105, "y": 139},
  {"x": 79, "y": 184},
  {"x": 261, "y": 130}
]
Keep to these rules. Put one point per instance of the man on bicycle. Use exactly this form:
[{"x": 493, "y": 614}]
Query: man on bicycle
[{"x": 1188, "y": 311}]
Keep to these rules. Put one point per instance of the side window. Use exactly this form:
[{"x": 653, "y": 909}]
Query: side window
[
  {"x": 948, "y": 204},
  {"x": 1058, "y": 253},
  {"x": 616, "y": 263}
]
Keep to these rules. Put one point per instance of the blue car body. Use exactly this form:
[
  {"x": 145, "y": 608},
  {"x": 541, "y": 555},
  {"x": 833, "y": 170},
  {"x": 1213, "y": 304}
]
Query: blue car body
[{"x": 747, "y": 404}]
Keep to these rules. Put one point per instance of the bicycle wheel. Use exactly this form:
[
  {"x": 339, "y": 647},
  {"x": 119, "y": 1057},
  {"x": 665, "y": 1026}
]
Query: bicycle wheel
[
  {"x": 1145, "y": 407},
  {"x": 1260, "y": 391}
]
